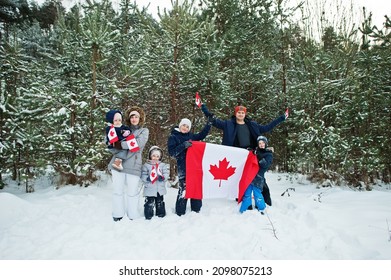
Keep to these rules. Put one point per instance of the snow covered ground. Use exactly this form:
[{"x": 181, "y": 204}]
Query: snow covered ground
[{"x": 305, "y": 224}]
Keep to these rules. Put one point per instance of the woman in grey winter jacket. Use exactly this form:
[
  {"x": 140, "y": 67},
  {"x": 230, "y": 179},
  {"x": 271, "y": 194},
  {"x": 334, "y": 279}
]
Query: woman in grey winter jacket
[
  {"x": 127, "y": 180},
  {"x": 154, "y": 175}
]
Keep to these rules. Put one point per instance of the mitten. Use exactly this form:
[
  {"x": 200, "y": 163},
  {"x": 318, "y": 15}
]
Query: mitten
[
  {"x": 262, "y": 162},
  {"x": 205, "y": 110},
  {"x": 211, "y": 119},
  {"x": 148, "y": 179},
  {"x": 160, "y": 179},
  {"x": 187, "y": 144},
  {"x": 260, "y": 156},
  {"x": 126, "y": 133},
  {"x": 117, "y": 145}
]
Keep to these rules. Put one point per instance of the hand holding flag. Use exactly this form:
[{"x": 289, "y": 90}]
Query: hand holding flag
[
  {"x": 198, "y": 100},
  {"x": 132, "y": 143},
  {"x": 112, "y": 135},
  {"x": 156, "y": 174},
  {"x": 153, "y": 174}
]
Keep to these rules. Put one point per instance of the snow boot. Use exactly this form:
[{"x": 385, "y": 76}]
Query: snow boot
[
  {"x": 148, "y": 207},
  {"x": 195, "y": 205},
  {"x": 117, "y": 164},
  {"x": 160, "y": 209}
]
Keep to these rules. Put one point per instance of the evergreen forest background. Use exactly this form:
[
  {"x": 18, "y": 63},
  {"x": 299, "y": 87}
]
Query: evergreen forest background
[{"x": 61, "y": 70}]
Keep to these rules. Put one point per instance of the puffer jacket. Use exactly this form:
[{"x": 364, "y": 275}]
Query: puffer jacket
[
  {"x": 229, "y": 127},
  {"x": 158, "y": 186},
  {"x": 133, "y": 162},
  {"x": 265, "y": 159},
  {"x": 177, "y": 148}
]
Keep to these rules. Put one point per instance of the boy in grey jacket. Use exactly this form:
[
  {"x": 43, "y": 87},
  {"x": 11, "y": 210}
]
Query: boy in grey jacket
[{"x": 154, "y": 175}]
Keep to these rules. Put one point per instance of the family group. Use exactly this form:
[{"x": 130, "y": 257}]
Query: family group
[{"x": 126, "y": 138}]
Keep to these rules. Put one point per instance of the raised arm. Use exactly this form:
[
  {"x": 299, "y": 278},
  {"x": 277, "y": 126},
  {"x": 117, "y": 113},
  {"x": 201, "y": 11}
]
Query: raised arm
[
  {"x": 212, "y": 119},
  {"x": 271, "y": 125},
  {"x": 203, "y": 133}
]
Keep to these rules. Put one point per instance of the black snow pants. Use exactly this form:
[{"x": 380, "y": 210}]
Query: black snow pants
[
  {"x": 150, "y": 203},
  {"x": 181, "y": 201}
]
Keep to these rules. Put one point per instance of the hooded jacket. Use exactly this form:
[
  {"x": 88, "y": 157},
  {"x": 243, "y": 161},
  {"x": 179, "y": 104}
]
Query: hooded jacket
[
  {"x": 132, "y": 164},
  {"x": 265, "y": 159},
  {"x": 177, "y": 148},
  {"x": 159, "y": 186}
]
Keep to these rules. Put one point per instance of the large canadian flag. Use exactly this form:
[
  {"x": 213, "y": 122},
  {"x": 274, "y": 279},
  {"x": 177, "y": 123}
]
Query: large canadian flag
[{"x": 218, "y": 171}]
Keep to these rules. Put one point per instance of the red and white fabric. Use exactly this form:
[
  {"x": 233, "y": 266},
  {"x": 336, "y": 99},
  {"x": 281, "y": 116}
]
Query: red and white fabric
[
  {"x": 132, "y": 143},
  {"x": 112, "y": 135},
  {"x": 218, "y": 171}
]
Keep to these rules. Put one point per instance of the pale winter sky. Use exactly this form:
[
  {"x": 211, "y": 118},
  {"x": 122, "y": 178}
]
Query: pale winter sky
[{"x": 378, "y": 7}]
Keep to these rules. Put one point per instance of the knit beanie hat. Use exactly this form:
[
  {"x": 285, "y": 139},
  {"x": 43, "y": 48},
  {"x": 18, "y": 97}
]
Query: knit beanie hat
[
  {"x": 262, "y": 138},
  {"x": 185, "y": 121},
  {"x": 155, "y": 150},
  {"x": 240, "y": 108},
  {"x": 110, "y": 115}
]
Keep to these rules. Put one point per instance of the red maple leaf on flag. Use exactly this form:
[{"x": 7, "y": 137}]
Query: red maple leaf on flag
[
  {"x": 132, "y": 143},
  {"x": 111, "y": 133},
  {"x": 223, "y": 172}
]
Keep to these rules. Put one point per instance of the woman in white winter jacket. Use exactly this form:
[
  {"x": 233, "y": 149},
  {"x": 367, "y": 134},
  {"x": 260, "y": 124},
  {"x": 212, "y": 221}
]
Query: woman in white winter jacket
[{"x": 126, "y": 181}]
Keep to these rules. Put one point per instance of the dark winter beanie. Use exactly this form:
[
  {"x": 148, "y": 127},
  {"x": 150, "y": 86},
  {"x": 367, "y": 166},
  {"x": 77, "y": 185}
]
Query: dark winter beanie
[
  {"x": 264, "y": 139},
  {"x": 110, "y": 115}
]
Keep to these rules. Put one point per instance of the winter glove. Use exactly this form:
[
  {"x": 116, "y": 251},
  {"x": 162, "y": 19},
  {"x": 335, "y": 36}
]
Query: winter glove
[
  {"x": 260, "y": 156},
  {"x": 126, "y": 133},
  {"x": 187, "y": 144},
  {"x": 160, "y": 179},
  {"x": 262, "y": 162},
  {"x": 148, "y": 179},
  {"x": 206, "y": 112},
  {"x": 211, "y": 118},
  {"x": 117, "y": 145}
]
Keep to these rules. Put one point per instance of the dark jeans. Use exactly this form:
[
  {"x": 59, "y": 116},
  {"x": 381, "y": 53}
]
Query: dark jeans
[{"x": 181, "y": 201}]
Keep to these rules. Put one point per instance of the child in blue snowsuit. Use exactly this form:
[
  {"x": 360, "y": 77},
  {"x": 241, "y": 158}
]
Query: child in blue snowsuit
[{"x": 265, "y": 159}]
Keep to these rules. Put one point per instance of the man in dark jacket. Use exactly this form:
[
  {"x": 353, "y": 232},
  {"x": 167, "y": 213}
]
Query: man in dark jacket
[{"x": 239, "y": 130}]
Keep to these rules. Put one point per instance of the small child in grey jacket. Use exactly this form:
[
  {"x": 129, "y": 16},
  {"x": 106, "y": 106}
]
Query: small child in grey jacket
[{"x": 154, "y": 175}]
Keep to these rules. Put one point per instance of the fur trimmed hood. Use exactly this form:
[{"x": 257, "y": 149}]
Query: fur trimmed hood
[{"x": 131, "y": 109}]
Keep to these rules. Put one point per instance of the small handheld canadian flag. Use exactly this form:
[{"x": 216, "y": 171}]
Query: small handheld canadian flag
[
  {"x": 112, "y": 135},
  {"x": 132, "y": 143},
  {"x": 198, "y": 100},
  {"x": 154, "y": 173},
  {"x": 286, "y": 113}
]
